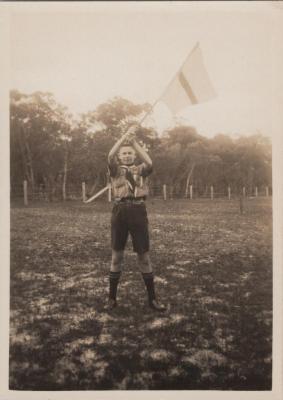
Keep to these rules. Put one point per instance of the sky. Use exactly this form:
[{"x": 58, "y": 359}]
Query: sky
[{"x": 88, "y": 54}]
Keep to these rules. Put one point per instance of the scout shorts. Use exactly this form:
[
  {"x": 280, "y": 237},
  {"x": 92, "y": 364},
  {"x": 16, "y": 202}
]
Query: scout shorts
[{"x": 129, "y": 218}]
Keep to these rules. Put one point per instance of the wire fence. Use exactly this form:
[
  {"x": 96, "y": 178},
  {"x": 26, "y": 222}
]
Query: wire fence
[
  {"x": 208, "y": 192},
  {"x": 27, "y": 194}
]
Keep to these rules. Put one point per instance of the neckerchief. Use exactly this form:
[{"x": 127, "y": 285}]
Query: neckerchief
[{"x": 130, "y": 179}]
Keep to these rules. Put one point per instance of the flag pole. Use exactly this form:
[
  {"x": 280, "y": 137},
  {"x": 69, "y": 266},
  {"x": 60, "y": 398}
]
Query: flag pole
[{"x": 157, "y": 100}]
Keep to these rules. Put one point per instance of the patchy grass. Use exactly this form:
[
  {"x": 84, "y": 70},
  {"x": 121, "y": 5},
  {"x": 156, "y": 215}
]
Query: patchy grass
[{"x": 213, "y": 268}]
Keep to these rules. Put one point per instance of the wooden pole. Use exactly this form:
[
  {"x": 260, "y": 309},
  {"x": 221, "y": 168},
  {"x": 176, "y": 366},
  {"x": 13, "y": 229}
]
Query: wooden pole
[
  {"x": 256, "y": 192},
  {"x": 109, "y": 193},
  {"x": 267, "y": 191},
  {"x": 25, "y": 193},
  {"x": 97, "y": 194},
  {"x": 229, "y": 193},
  {"x": 164, "y": 192},
  {"x": 191, "y": 192},
  {"x": 83, "y": 191},
  {"x": 244, "y": 191},
  {"x": 211, "y": 193}
]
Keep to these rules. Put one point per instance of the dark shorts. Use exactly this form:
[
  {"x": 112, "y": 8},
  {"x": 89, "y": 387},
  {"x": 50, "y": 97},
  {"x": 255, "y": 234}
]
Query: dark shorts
[{"x": 129, "y": 218}]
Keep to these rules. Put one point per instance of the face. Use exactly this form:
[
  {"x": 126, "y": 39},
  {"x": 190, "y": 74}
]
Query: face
[{"x": 127, "y": 155}]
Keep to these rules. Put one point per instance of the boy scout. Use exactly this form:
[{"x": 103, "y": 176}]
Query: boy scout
[{"x": 129, "y": 215}]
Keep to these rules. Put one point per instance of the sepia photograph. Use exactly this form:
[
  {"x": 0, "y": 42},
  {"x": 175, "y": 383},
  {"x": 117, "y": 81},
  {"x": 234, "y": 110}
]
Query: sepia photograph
[{"x": 142, "y": 141}]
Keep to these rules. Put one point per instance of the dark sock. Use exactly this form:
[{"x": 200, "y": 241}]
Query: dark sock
[
  {"x": 113, "y": 284},
  {"x": 149, "y": 283}
]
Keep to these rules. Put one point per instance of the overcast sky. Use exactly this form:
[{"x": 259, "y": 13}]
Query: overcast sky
[{"x": 88, "y": 54}]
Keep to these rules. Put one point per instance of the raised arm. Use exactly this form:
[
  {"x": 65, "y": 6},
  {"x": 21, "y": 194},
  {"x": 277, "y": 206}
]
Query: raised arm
[
  {"x": 142, "y": 153},
  {"x": 115, "y": 148}
]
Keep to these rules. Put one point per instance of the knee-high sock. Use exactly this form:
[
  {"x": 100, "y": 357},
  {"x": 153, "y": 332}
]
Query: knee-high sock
[
  {"x": 149, "y": 283},
  {"x": 113, "y": 284}
]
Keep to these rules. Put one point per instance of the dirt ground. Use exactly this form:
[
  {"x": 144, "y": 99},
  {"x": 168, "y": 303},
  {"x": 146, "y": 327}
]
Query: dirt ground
[{"x": 213, "y": 268}]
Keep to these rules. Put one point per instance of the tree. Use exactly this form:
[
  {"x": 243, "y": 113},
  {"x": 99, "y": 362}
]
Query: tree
[
  {"x": 40, "y": 130},
  {"x": 50, "y": 148},
  {"x": 179, "y": 152},
  {"x": 114, "y": 116}
]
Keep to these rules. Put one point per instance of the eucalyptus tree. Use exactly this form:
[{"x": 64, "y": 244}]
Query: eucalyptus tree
[{"x": 40, "y": 132}]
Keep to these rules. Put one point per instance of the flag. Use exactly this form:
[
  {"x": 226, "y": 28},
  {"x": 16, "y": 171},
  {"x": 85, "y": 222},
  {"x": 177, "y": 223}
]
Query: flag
[{"x": 191, "y": 85}]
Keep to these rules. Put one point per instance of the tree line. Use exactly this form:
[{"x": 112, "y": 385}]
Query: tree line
[{"x": 53, "y": 149}]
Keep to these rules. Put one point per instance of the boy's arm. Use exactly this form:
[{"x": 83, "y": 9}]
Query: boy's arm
[{"x": 142, "y": 153}]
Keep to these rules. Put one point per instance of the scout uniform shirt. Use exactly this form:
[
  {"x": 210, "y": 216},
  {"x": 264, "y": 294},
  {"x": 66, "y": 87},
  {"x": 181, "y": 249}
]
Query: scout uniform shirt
[{"x": 129, "y": 180}]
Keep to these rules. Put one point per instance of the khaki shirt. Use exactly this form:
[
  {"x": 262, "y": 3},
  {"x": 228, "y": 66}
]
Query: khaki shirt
[{"x": 120, "y": 185}]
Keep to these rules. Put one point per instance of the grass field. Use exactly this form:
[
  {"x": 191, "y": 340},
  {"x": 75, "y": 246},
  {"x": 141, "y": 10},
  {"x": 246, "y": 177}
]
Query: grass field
[{"x": 213, "y": 268}]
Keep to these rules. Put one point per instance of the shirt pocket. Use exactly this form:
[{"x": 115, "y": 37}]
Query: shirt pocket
[{"x": 119, "y": 182}]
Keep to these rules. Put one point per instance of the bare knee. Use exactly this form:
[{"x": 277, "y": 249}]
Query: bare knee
[
  {"x": 144, "y": 262},
  {"x": 117, "y": 259}
]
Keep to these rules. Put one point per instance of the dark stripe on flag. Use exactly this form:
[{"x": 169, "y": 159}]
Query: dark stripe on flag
[{"x": 186, "y": 86}]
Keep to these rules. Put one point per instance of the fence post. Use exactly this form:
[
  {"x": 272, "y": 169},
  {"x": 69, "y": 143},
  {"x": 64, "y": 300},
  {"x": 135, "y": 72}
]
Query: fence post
[
  {"x": 164, "y": 192},
  {"x": 191, "y": 192},
  {"x": 109, "y": 193},
  {"x": 83, "y": 191},
  {"x": 25, "y": 193},
  {"x": 267, "y": 191},
  {"x": 256, "y": 192},
  {"x": 211, "y": 193},
  {"x": 241, "y": 204},
  {"x": 244, "y": 191},
  {"x": 229, "y": 193},
  {"x": 186, "y": 191}
]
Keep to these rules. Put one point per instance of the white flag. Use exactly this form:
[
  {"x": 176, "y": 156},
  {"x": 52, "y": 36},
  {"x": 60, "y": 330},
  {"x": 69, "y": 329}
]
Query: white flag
[{"x": 191, "y": 85}]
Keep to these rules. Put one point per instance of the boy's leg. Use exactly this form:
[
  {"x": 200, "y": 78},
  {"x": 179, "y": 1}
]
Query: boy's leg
[
  {"x": 148, "y": 277},
  {"x": 116, "y": 261},
  {"x": 114, "y": 276},
  {"x": 119, "y": 234},
  {"x": 140, "y": 238}
]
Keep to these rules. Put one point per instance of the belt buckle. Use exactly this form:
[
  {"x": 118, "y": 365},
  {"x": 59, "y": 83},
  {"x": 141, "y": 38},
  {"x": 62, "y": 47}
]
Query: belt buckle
[
  {"x": 129, "y": 201},
  {"x": 140, "y": 201}
]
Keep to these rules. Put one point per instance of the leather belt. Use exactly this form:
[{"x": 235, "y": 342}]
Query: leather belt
[{"x": 130, "y": 200}]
